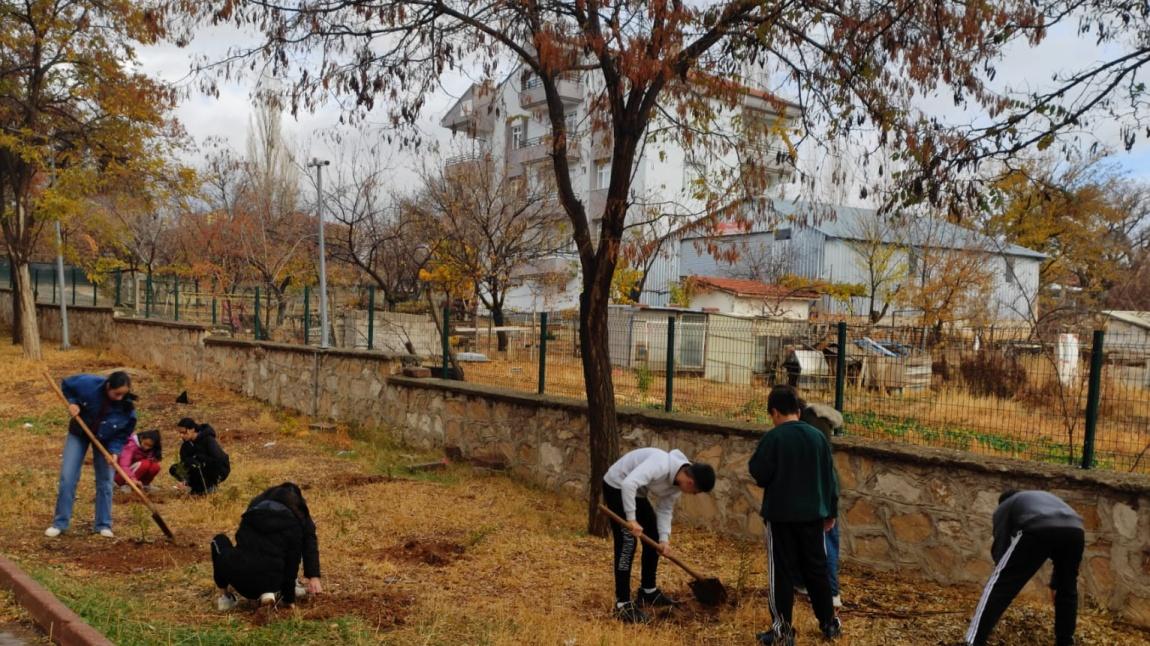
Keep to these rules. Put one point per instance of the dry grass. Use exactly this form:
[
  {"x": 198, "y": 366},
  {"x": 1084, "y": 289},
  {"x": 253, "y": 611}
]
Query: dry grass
[{"x": 513, "y": 565}]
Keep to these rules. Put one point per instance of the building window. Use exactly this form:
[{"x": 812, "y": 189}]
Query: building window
[
  {"x": 572, "y": 119},
  {"x": 602, "y": 174},
  {"x": 783, "y": 234},
  {"x": 518, "y": 132}
]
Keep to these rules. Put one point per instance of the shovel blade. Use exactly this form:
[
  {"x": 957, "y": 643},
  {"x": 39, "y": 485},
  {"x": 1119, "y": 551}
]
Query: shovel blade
[{"x": 709, "y": 592}]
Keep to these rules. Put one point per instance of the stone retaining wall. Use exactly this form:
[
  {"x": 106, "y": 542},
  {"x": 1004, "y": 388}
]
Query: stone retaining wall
[
  {"x": 917, "y": 508},
  {"x": 902, "y": 507},
  {"x": 87, "y": 326}
]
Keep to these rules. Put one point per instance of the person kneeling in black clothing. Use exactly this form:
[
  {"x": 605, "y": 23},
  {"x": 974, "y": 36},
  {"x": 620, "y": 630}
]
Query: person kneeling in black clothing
[
  {"x": 275, "y": 534},
  {"x": 203, "y": 463}
]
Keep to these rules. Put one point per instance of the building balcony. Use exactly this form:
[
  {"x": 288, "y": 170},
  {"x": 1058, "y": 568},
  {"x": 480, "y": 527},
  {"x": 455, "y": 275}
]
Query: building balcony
[
  {"x": 531, "y": 93},
  {"x": 463, "y": 163},
  {"x": 474, "y": 114},
  {"x": 539, "y": 148}
]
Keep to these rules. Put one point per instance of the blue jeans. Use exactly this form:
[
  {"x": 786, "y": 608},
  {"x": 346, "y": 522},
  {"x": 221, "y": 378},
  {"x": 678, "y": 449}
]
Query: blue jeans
[
  {"x": 831, "y": 544},
  {"x": 75, "y": 447},
  {"x": 831, "y": 540}
]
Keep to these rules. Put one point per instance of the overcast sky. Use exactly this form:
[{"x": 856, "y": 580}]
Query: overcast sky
[{"x": 227, "y": 116}]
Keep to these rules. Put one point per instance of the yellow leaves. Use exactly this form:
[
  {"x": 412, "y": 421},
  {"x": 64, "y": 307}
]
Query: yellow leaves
[{"x": 624, "y": 284}]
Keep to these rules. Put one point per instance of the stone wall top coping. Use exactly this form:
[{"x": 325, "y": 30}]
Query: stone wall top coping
[
  {"x": 160, "y": 323},
  {"x": 304, "y": 349},
  {"x": 99, "y": 309},
  {"x": 1051, "y": 476}
]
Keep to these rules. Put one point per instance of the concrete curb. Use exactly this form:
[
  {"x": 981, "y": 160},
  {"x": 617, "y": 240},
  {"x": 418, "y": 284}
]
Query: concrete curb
[{"x": 62, "y": 625}]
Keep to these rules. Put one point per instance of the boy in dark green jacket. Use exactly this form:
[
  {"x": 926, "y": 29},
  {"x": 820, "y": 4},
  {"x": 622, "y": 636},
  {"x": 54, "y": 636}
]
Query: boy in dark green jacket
[{"x": 800, "y": 502}]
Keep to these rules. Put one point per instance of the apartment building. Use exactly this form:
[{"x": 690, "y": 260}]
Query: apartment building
[{"x": 508, "y": 120}]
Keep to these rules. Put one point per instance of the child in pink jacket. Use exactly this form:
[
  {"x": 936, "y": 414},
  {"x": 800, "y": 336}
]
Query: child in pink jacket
[{"x": 141, "y": 458}]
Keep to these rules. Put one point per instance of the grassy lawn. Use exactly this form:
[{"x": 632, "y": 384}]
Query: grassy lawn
[{"x": 450, "y": 557}]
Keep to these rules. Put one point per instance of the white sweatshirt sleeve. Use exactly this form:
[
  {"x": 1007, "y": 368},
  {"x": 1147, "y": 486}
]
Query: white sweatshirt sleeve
[
  {"x": 641, "y": 476},
  {"x": 664, "y": 511}
]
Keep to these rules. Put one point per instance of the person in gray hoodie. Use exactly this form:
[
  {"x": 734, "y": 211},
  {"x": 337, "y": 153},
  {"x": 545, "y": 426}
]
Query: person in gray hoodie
[
  {"x": 1029, "y": 528},
  {"x": 643, "y": 486}
]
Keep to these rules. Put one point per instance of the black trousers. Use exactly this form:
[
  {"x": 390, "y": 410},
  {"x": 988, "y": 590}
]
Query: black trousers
[
  {"x": 625, "y": 543},
  {"x": 200, "y": 478},
  {"x": 797, "y": 552},
  {"x": 249, "y": 574},
  {"x": 1027, "y": 552}
]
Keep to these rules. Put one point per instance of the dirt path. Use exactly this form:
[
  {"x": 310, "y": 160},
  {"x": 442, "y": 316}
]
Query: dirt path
[{"x": 453, "y": 557}]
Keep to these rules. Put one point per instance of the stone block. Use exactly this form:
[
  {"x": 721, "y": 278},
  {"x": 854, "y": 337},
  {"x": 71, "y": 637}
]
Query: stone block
[
  {"x": 846, "y": 471},
  {"x": 940, "y": 558},
  {"x": 863, "y": 514},
  {"x": 1137, "y": 610},
  {"x": 1125, "y": 520},
  {"x": 1101, "y": 575},
  {"x": 911, "y": 528},
  {"x": 1090, "y": 520},
  {"x": 875, "y": 549},
  {"x": 551, "y": 457},
  {"x": 985, "y": 502},
  {"x": 897, "y": 487}
]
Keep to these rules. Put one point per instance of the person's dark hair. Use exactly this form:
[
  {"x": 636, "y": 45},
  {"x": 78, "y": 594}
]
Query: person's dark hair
[
  {"x": 784, "y": 399},
  {"x": 186, "y": 422},
  {"x": 289, "y": 495},
  {"x": 157, "y": 443},
  {"x": 1006, "y": 494},
  {"x": 119, "y": 379},
  {"x": 703, "y": 474}
]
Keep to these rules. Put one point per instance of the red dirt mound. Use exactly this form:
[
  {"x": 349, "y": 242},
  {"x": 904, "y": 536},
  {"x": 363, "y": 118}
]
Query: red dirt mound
[
  {"x": 381, "y": 609},
  {"x": 127, "y": 556},
  {"x": 436, "y": 553}
]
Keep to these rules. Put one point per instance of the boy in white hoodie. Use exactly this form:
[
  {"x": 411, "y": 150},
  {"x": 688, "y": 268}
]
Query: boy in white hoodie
[{"x": 643, "y": 486}]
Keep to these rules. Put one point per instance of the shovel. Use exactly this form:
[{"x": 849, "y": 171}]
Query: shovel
[
  {"x": 708, "y": 591},
  {"x": 112, "y": 461}
]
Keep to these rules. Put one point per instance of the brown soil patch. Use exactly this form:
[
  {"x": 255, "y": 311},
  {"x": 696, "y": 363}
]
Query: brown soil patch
[
  {"x": 347, "y": 481},
  {"x": 379, "y": 609},
  {"x": 436, "y": 553},
  {"x": 126, "y": 556}
]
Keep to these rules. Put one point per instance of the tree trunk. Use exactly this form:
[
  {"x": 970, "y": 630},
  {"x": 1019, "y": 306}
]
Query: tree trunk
[
  {"x": 498, "y": 319},
  {"x": 603, "y": 431},
  {"x": 24, "y": 300}
]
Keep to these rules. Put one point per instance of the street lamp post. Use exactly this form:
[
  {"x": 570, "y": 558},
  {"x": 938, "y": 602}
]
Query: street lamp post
[
  {"x": 64, "y": 341},
  {"x": 323, "y": 324}
]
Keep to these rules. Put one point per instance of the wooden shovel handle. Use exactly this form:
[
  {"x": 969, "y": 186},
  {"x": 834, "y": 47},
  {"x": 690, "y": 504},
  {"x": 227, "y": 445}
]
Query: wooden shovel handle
[
  {"x": 647, "y": 540},
  {"x": 111, "y": 460}
]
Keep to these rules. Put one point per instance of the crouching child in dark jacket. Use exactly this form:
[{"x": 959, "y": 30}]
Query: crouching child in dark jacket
[
  {"x": 203, "y": 463},
  {"x": 276, "y": 533}
]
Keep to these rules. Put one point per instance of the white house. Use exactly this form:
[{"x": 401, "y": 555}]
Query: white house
[
  {"x": 509, "y": 121},
  {"x": 822, "y": 242},
  {"x": 1127, "y": 330},
  {"x": 742, "y": 297}
]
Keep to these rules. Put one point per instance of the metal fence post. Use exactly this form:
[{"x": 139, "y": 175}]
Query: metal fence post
[
  {"x": 306, "y": 312},
  {"x": 73, "y": 287},
  {"x": 119, "y": 282},
  {"x": 148, "y": 296},
  {"x": 444, "y": 340},
  {"x": 213, "y": 310},
  {"x": 841, "y": 366},
  {"x": 95, "y": 292},
  {"x": 1093, "y": 398},
  {"x": 177, "y": 312},
  {"x": 53, "y": 289},
  {"x": 371, "y": 317},
  {"x": 256, "y": 329},
  {"x": 669, "y": 397},
  {"x": 542, "y": 352}
]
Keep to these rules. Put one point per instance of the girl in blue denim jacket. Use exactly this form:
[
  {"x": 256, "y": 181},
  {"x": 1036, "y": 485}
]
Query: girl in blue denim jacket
[{"x": 107, "y": 406}]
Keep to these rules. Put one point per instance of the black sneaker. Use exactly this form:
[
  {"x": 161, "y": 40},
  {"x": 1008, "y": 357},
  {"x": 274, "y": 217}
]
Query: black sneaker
[
  {"x": 629, "y": 613},
  {"x": 654, "y": 599},
  {"x": 833, "y": 629},
  {"x": 771, "y": 638}
]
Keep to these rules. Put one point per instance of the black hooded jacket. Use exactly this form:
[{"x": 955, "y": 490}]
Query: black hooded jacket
[
  {"x": 205, "y": 451},
  {"x": 277, "y": 530}
]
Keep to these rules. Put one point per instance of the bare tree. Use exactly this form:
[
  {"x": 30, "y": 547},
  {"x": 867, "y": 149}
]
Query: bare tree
[
  {"x": 879, "y": 260},
  {"x": 488, "y": 225}
]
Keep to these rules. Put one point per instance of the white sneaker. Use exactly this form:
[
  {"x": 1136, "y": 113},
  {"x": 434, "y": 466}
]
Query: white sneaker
[
  {"x": 107, "y": 533},
  {"x": 300, "y": 591},
  {"x": 837, "y": 601},
  {"x": 52, "y": 532},
  {"x": 125, "y": 489},
  {"x": 267, "y": 599},
  {"x": 226, "y": 602}
]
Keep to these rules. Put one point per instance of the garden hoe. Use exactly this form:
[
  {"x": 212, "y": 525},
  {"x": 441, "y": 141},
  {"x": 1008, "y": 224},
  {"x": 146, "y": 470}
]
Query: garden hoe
[
  {"x": 112, "y": 461},
  {"x": 709, "y": 591}
]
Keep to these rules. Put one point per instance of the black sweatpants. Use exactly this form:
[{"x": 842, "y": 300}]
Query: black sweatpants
[
  {"x": 248, "y": 574},
  {"x": 200, "y": 478},
  {"x": 797, "y": 552},
  {"x": 625, "y": 543},
  {"x": 1027, "y": 552}
]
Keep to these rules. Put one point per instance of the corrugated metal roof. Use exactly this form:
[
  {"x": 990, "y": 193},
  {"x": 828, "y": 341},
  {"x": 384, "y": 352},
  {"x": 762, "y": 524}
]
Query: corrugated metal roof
[{"x": 1140, "y": 319}]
